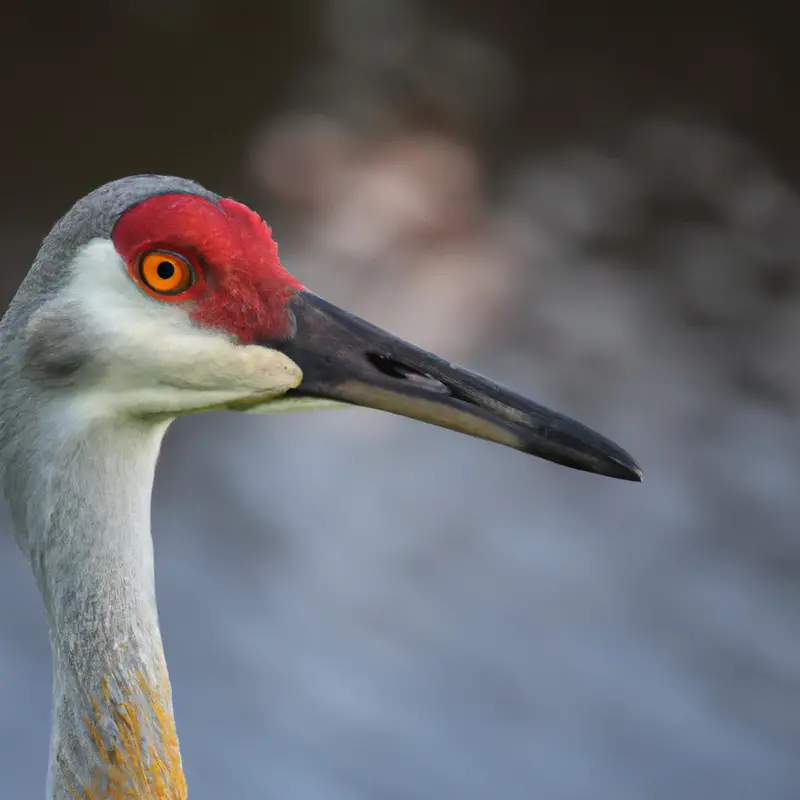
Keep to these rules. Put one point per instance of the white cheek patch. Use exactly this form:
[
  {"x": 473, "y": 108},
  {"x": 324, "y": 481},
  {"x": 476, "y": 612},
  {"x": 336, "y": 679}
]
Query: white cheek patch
[
  {"x": 113, "y": 303},
  {"x": 155, "y": 360}
]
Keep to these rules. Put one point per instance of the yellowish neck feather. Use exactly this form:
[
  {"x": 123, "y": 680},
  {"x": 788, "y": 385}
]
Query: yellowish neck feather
[{"x": 140, "y": 758}]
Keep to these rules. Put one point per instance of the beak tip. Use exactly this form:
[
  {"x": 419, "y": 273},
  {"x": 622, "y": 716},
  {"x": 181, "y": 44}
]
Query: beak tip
[
  {"x": 619, "y": 464},
  {"x": 630, "y": 472},
  {"x": 623, "y": 469},
  {"x": 593, "y": 454}
]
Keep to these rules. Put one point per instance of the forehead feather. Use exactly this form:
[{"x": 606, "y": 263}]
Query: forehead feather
[{"x": 95, "y": 215}]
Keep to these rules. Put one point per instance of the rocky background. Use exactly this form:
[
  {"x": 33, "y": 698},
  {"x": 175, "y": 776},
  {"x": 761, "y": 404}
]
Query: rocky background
[{"x": 594, "y": 203}]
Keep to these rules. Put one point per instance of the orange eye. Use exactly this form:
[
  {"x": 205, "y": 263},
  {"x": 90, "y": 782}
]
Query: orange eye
[{"x": 165, "y": 273}]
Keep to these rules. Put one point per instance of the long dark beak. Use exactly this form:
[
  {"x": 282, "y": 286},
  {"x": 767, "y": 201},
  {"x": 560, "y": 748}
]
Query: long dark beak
[{"x": 346, "y": 359}]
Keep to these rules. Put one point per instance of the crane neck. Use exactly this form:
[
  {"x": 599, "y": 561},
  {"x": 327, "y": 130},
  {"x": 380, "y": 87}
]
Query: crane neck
[{"x": 81, "y": 502}]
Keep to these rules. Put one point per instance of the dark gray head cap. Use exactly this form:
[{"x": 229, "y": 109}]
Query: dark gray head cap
[{"x": 96, "y": 214}]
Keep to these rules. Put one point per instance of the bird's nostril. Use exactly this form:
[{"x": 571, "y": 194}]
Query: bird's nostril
[
  {"x": 393, "y": 368},
  {"x": 386, "y": 366}
]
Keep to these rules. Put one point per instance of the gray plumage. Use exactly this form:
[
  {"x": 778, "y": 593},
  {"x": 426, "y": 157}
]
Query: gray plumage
[{"x": 80, "y": 497}]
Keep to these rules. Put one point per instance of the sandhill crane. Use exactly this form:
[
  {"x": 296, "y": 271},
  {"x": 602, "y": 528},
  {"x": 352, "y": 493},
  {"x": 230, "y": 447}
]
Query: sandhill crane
[{"x": 151, "y": 298}]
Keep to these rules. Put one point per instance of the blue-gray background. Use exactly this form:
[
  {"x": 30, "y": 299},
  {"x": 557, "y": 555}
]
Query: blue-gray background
[{"x": 598, "y": 206}]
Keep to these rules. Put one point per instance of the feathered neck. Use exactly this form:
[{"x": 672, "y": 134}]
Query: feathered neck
[{"x": 80, "y": 496}]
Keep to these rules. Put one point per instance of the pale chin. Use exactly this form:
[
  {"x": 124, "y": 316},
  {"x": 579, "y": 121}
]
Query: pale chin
[{"x": 288, "y": 405}]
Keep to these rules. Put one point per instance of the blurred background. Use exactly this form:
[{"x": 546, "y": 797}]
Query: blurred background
[{"x": 594, "y": 203}]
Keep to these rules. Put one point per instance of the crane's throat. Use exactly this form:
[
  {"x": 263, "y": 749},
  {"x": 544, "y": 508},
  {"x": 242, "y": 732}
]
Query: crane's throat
[{"x": 88, "y": 539}]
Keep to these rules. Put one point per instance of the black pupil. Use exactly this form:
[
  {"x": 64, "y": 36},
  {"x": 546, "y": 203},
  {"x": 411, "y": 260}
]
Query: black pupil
[{"x": 165, "y": 270}]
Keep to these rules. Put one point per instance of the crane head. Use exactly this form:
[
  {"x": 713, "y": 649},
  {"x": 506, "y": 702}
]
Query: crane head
[{"x": 159, "y": 298}]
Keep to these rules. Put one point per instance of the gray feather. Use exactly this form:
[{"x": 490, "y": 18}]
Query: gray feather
[{"x": 80, "y": 497}]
